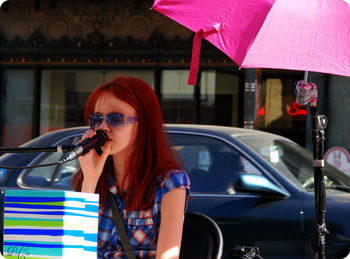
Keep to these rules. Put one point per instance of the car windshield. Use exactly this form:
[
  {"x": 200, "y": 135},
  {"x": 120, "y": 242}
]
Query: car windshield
[{"x": 295, "y": 162}]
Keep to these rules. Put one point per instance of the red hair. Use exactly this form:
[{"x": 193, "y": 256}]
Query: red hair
[{"x": 152, "y": 156}]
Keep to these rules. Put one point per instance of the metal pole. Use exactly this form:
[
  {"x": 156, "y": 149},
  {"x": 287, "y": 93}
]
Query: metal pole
[
  {"x": 306, "y": 74},
  {"x": 307, "y": 93},
  {"x": 36, "y": 149},
  {"x": 318, "y": 124},
  {"x": 249, "y": 98}
]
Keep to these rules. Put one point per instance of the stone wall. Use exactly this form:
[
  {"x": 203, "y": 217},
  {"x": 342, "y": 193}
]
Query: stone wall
[
  {"x": 78, "y": 19},
  {"x": 96, "y": 33}
]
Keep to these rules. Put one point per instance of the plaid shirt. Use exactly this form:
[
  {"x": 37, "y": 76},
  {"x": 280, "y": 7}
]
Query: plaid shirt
[{"x": 142, "y": 227}]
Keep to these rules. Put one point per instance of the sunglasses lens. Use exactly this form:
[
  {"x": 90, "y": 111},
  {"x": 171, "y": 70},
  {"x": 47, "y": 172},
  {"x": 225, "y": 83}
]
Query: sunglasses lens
[
  {"x": 95, "y": 120},
  {"x": 115, "y": 119}
]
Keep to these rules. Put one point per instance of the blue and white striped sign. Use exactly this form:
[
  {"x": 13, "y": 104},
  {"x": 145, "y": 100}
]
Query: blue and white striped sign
[{"x": 50, "y": 224}]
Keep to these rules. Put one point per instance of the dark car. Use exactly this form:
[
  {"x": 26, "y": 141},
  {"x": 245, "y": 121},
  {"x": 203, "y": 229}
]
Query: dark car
[{"x": 258, "y": 187}]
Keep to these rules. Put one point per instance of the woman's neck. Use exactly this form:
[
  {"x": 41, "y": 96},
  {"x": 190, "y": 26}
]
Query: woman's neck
[{"x": 119, "y": 171}]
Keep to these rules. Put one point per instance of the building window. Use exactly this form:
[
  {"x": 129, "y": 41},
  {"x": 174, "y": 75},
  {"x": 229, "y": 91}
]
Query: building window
[
  {"x": 177, "y": 97},
  {"x": 16, "y": 106},
  {"x": 277, "y": 111},
  {"x": 219, "y": 98},
  {"x": 64, "y": 94}
]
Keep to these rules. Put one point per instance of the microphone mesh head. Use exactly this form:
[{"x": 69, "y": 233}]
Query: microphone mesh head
[{"x": 101, "y": 137}]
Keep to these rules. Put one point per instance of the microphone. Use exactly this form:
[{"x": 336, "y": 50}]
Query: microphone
[{"x": 97, "y": 141}]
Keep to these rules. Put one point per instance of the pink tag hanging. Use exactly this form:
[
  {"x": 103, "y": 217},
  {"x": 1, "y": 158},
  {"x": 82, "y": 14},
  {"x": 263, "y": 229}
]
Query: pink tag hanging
[{"x": 197, "y": 40}]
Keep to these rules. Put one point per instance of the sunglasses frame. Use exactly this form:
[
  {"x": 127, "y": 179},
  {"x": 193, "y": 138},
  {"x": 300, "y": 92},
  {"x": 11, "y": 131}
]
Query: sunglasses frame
[{"x": 127, "y": 119}]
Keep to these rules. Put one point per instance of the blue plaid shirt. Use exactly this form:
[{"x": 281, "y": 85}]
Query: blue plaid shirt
[{"x": 142, "y": 226}]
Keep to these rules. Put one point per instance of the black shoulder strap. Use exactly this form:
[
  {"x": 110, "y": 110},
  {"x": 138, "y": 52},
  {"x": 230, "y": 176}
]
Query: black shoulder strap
[{"x": 120, "y": 227}]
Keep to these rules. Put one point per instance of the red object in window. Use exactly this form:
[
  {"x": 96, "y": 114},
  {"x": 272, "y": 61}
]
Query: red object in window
[
  {"x": 297, "y": 109},
  {"x": 261, "y": 111}
]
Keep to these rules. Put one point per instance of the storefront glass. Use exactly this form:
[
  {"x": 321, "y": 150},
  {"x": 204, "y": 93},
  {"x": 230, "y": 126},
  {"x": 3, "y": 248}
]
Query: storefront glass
[
  {"x": 64, "y": 94},
  {"x": 277, "y": 110},
  {"x": 177, "y": 97},
  {"x": 16, "y": 114},
  {"x": 219, "y": 103}
]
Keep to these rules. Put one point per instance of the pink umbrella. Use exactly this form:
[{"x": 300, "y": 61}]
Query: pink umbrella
[{"x": 308, "y": 35}]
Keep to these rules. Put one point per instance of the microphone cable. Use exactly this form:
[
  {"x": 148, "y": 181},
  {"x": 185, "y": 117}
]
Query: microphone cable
[
  {"x": 32, "y": 166},
  {"x": 82, "y": 148}
]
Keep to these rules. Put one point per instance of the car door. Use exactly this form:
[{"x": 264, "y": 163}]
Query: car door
[{"x": 271, "y": 223}]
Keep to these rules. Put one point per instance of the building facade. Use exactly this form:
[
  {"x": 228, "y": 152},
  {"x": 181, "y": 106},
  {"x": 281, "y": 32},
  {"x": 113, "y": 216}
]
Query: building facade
[{"x": 54, "y": 53}]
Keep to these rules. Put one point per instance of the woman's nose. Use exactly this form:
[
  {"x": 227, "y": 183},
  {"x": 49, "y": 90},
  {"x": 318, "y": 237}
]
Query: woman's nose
[{"x": 104, "y": 125}]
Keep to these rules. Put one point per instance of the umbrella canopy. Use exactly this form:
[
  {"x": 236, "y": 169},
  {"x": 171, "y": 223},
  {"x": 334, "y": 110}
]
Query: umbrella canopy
[
  {"x": 308, "y": 35},
  {"x": 312, "y": 35}
]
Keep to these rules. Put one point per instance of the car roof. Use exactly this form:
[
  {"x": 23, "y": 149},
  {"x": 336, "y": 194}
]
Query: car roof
[{"x": 232, "y": 131}]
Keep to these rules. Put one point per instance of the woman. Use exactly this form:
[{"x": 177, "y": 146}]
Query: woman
[{"x": 138, "y": 167}]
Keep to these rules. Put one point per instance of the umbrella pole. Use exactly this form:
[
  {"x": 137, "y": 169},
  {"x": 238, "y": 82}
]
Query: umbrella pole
[
  {"x": 307, "y": 93},
  {"x": 318, "y": 125},
  {"x": 306, "y": 74}
]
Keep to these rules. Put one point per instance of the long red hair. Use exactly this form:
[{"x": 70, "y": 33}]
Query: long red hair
[{"x": 152, "y": 156}]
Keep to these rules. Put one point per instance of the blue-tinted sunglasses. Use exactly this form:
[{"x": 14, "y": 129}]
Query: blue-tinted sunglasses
[{"x": 114, "y": 120}]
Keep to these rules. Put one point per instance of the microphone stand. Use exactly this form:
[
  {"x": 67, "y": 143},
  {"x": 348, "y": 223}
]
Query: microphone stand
[{"x": 37, "y": 149}]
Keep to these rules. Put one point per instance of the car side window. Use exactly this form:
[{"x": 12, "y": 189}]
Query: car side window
[
  {"x": 211, "y": 163},
  {"x": 56, "y": 176}
]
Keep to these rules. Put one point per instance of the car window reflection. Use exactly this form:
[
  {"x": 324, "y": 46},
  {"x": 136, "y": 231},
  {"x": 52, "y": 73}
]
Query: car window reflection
[
  {"x": 57, "y": 176},
  {"x": 211, "y": 164},
  {"x": 294, "y": 162}
]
